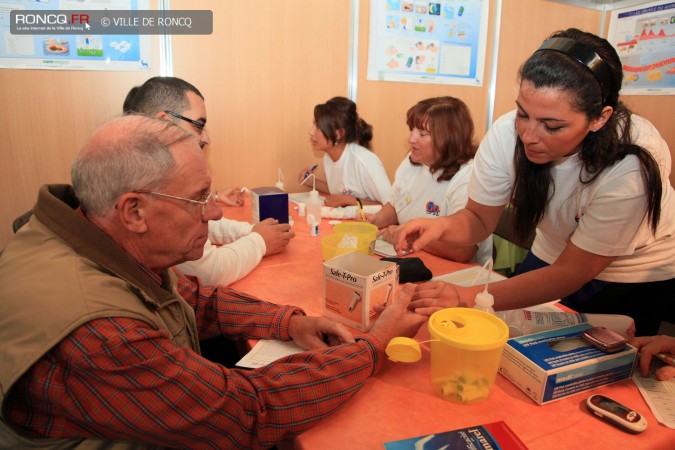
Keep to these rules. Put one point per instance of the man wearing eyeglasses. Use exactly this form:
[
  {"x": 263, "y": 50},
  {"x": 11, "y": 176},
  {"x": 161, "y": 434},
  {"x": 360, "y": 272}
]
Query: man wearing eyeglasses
[
  {"x": 99, "y": 336},
  {"x": 242, "y": 245}
]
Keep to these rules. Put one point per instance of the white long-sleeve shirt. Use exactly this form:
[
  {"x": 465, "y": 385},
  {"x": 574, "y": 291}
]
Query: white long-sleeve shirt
[{"x": 239, "y": 253}]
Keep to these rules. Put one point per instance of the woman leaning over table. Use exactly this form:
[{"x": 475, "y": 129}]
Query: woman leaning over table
[
  {"x": 432, "y": 179},
  {"x": 352, "y": 169},
  {"x": 589, "y": 175}
]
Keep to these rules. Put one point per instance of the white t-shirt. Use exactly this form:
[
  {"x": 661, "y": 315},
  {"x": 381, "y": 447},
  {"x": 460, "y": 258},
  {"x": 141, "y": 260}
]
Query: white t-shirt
[
  {"x": 416, "y": 193},
  {"x": 239, "y": 253},
  {"x": 358, "y": 172},
  {"x": 605, "y": 217}
]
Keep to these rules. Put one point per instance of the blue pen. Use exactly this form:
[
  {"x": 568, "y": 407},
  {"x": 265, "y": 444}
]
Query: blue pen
[{"x": 310, "y": 171}]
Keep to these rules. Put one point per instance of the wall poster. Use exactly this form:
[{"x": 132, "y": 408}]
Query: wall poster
[
  {"x": 440, "y": 42},
  {"x": 644, "y": 38}
]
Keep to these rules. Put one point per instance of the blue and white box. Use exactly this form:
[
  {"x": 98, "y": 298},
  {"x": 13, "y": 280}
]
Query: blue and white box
[
  {"x": 551, "y": 365},
  {"x": 269, "y": 202}
]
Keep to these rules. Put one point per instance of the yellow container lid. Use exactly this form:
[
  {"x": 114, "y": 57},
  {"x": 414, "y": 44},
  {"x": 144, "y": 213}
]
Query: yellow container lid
[
  {"x": 404, "y": 349},
  {"x": 468, "y": 329}
]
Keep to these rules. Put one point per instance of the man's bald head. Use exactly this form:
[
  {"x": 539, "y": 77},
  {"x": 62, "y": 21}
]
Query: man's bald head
[{"x": 125, "y": 154}]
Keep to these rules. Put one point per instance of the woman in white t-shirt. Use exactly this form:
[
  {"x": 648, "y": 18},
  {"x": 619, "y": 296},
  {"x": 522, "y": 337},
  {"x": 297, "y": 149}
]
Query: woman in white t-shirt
[
  {"x": 433, "y": 178},
  {"x": 352, "y": 169},
  {"x": 589, "y": 175}
]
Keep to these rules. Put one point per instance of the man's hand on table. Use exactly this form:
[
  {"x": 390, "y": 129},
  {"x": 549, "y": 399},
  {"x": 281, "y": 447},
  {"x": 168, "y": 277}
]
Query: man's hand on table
[
  {"x": 396, "y": 319},
  {"x": 393, "y": 321},
  {"x": 276, "y": 235},
  {"x": 318, "y": 332}
]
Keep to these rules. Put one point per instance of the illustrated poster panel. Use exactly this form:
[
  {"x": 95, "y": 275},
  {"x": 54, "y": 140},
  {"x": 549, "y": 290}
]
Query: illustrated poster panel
[
  {"x": 440, "y": 42},
  {"x": 644, "y": 37}
]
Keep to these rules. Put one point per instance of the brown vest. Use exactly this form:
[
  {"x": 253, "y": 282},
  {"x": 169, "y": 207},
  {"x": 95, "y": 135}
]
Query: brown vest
[{"x": 59, "y": 272}]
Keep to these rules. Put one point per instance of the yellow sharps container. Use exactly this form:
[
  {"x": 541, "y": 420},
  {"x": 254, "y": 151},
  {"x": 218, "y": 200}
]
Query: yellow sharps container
[{"x": 466, "y": 347}]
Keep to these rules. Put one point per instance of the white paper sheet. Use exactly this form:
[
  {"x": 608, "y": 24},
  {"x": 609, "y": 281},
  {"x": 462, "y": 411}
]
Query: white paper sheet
[
  {"x": 384, "y": 248},
  {"x": 659, "y": 395},
  {"x": 301, "y": 197},
  {"x": 267, "y": 351},
  {"x": 467, "y": 277}
]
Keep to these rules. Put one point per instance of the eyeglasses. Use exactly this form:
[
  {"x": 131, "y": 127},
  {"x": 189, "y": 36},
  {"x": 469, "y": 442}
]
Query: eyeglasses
[
  {"x": 206, "y": 198},
  {"x": 199, "y": 125}
]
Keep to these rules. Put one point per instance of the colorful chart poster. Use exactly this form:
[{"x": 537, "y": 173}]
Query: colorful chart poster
[
  {"x": 72, "y": 52},
  {"x": 440, "y": 42},
  {"x": 644, "y": 37}
]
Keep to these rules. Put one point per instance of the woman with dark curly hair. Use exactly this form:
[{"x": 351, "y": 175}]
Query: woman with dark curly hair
[{"x": 592, "y": 179}]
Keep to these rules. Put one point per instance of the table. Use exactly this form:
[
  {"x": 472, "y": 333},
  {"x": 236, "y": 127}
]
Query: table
[
  {"x": 299, "y": 268},
  {"x": 399, "y": 402}
]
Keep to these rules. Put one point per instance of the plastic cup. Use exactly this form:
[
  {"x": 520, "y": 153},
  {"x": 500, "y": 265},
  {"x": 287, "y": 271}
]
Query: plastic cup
[
  {"x": 364, "y": 231},
  {"x": 466, "y": 348},
  {"x": 330, "y": 249}
]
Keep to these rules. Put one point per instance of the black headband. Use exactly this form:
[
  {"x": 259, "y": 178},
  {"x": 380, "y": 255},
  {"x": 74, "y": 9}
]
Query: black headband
[{"x": 585, "y": 56}]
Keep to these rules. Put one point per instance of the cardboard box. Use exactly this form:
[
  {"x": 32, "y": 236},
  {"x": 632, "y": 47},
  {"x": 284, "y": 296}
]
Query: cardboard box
[
  {"x": 269, "y": 202},
  {"x": 554, "y": 364},
  {"x": 353, "y": 283}
]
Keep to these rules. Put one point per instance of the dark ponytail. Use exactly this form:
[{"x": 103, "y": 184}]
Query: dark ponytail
[{"x": 340, "y": 113}]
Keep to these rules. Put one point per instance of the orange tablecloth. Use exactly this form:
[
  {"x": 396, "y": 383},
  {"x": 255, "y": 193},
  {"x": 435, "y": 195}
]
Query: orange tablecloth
[
  {"x": 294, "y": 276},
  {"x": 399, "y": 402}
]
